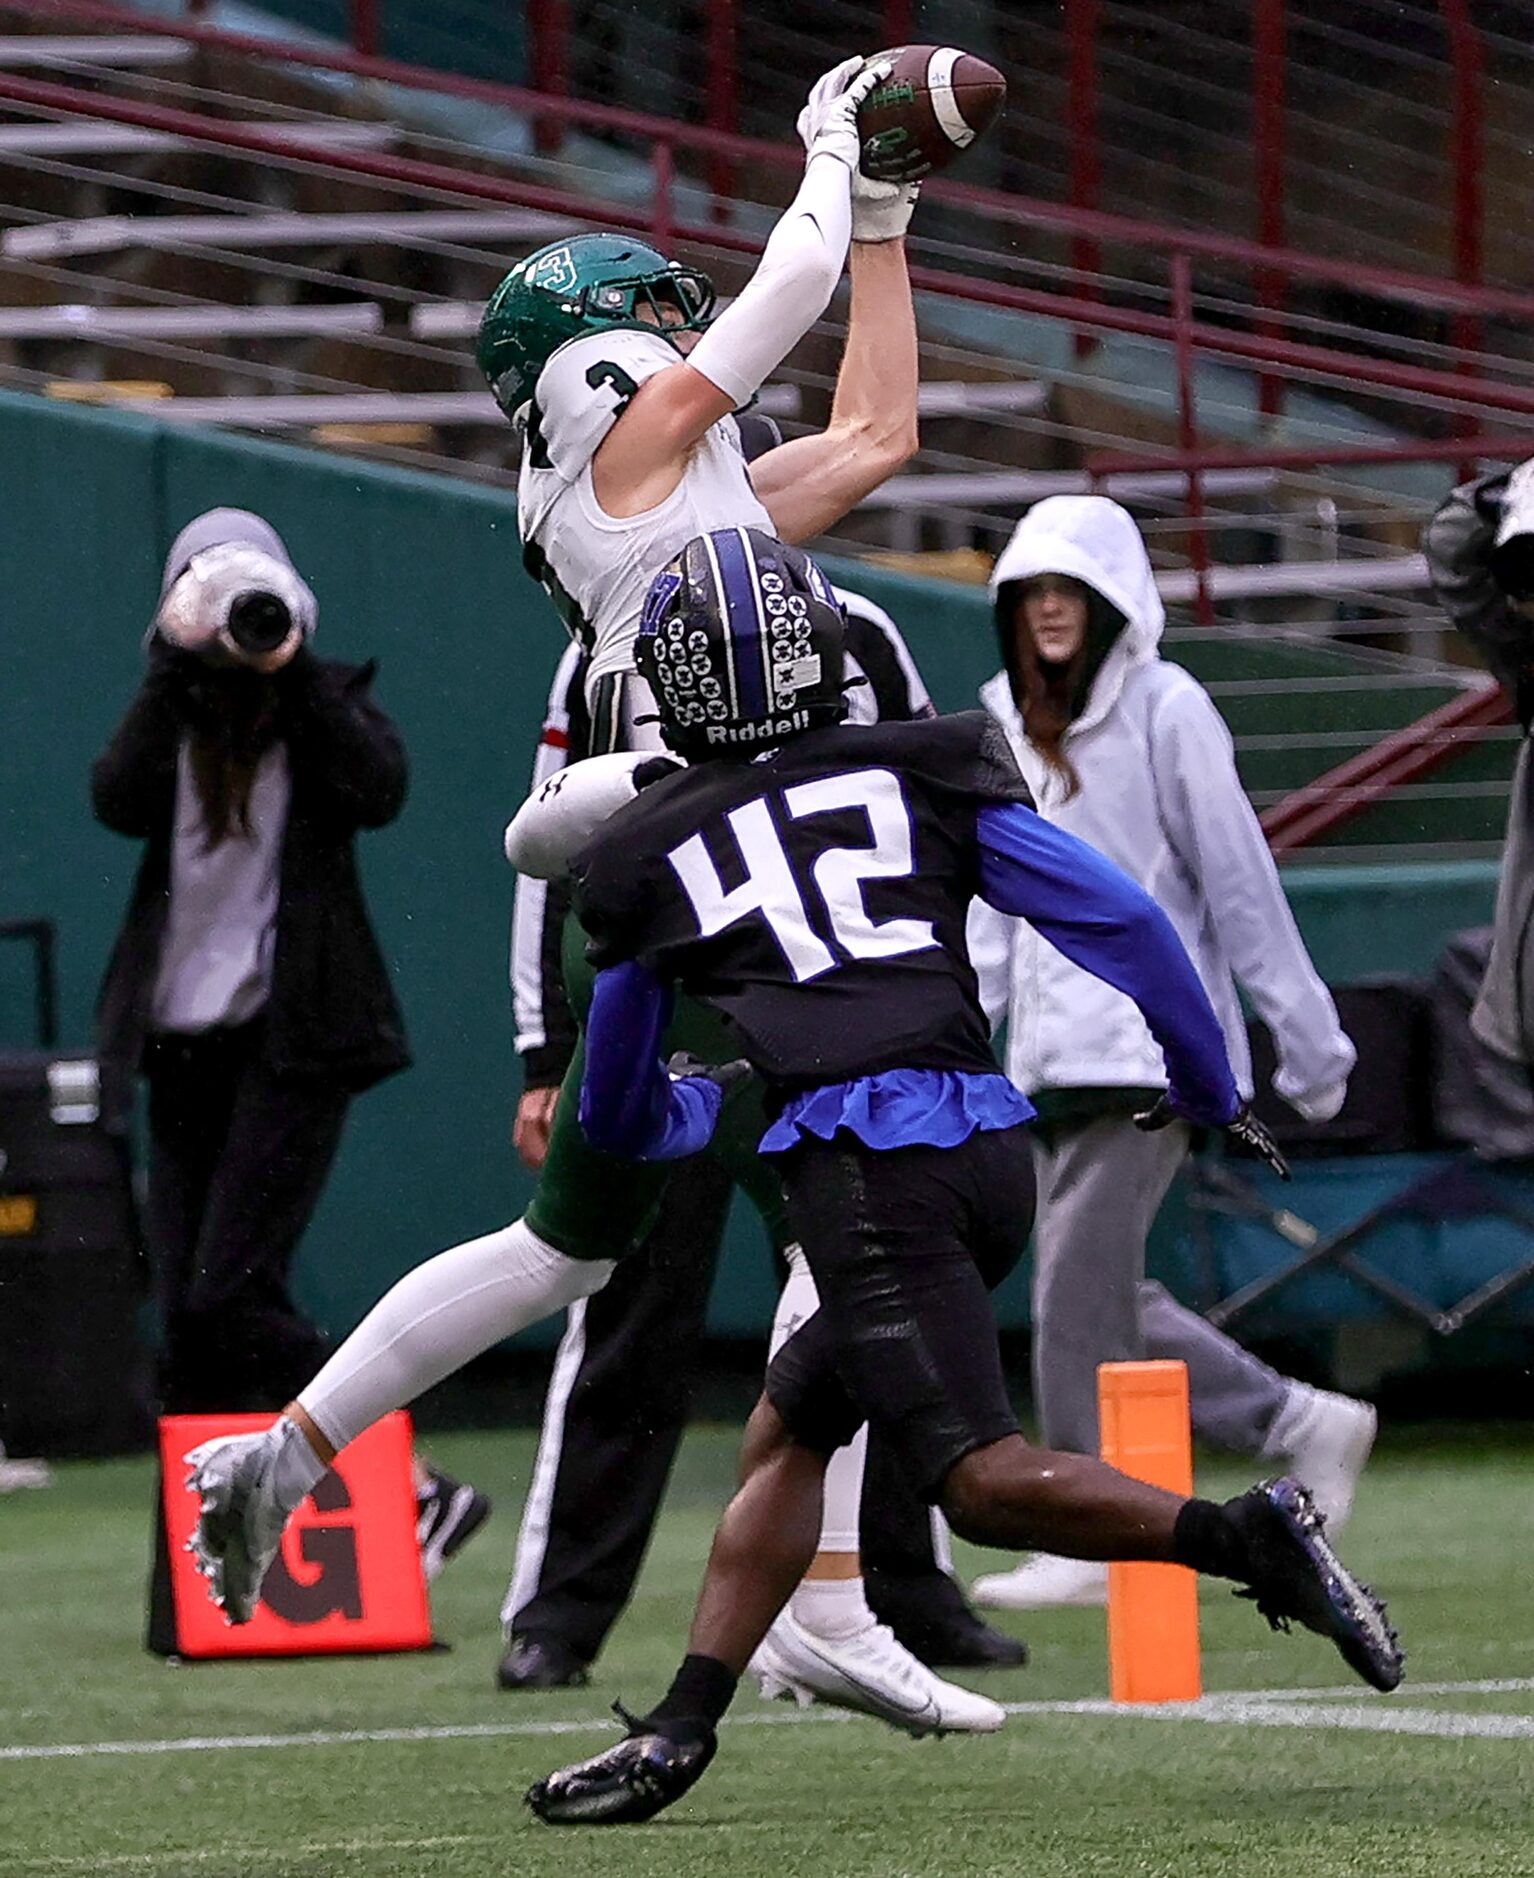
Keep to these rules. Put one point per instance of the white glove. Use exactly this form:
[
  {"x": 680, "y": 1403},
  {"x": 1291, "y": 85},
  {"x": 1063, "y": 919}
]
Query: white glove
[
  {"x": 828, "y": 124},
  {"x": 881, "y": 211}
]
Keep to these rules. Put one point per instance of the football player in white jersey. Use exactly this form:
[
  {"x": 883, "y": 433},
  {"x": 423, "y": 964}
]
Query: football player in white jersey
[
  {"x": 607, "y": 358},
  {"x": 629, "y": 451}
]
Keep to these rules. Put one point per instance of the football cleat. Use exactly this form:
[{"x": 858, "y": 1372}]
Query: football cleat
[
  {"x": 1297, "y": 1577},
  {"x": 448, "y": 1514},
  {"x": 540, "y": 1663},
  {"x": 872, "y": 1674},
  {"x": 633, "y": 1781},
  {"x": 1044, "y": 1582},
  {"x": 239, "y": 1528}
]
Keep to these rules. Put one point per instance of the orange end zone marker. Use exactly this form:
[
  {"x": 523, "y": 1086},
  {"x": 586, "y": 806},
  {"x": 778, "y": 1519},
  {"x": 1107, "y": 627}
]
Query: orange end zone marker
[{"x": 1153, "y": 1650}]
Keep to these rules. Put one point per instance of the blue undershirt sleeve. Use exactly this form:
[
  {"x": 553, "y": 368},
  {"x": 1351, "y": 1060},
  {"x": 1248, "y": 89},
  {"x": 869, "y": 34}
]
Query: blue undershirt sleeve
[
  {"x": 629, "y": 1105},
  {"x": 1106, "y": 923}
]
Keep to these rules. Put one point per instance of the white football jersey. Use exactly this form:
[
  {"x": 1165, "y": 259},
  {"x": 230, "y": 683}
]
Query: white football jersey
[{"x": 596, "y": 567}]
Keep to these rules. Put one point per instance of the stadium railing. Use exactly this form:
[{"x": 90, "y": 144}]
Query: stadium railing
[{"x": 1313, "y": 504}]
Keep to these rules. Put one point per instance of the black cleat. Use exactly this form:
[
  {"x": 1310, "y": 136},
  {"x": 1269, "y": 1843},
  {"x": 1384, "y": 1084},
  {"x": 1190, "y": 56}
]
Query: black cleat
[
  {"x": 633, "y": 1781},
  {"x": 540, "y": 1663},
  {"x": 932, "y": 1618},
  {"x": 1297, "y": 1577},
  {"x": 962, "y": 1643},
  {"x": 448, "y": 1514}
]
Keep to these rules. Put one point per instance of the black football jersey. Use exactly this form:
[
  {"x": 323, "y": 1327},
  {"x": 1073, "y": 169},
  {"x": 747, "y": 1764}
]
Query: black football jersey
[{"x": 816, "y": 896}]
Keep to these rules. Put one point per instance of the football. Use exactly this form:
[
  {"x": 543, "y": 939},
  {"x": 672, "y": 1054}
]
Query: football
[{"x": 929, "y": 111}]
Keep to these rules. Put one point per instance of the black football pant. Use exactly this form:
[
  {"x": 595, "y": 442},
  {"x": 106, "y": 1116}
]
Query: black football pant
[
  {"x": 618, "y": 1401},
  {"x": 238, "y": 1158},
  {"x": 905, "y": 1246}
]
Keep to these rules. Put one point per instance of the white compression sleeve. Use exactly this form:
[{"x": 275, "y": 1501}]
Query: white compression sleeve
[
  {"x": 440, "y": 1316},
  {"x": 797, "y": 1302},
  {"x": 791, "y": 288},
  {"x": 842, "y": 1495}
]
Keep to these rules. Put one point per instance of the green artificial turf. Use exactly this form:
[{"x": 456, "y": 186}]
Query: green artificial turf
[{"x": 1445, "y": 1527}]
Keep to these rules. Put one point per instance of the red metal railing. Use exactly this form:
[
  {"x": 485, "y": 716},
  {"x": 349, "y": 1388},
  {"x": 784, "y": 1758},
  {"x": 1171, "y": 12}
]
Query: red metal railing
[
  {"x": 549, "y": 27},
  {"x": 1082, "y": 20},
  {"x": 365, "y": 25},
  {"x": 1469, "y": 157},
  {"x": 1268, "y": 25},
  {"x": 1416, "y": 749},
  {"x": 1034, "y": 213},
  {"x": 1462, "y": 388},
  {"x": 1336, "y": 797},
  {"x": 1458, "y": 387}
]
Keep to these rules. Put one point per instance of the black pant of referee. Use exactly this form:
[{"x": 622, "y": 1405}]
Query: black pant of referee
[{"x": 618, "y": 1401}]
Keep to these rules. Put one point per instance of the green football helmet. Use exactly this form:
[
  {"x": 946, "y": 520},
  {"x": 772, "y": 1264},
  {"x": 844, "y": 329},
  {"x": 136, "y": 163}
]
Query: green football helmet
[{"x": 584, "y": 284}]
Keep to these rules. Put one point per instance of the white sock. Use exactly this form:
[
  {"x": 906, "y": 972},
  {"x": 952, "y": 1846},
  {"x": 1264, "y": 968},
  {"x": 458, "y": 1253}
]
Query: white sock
[
  {"x": 841, "y": 1499},
  {"x": 296, "y": 1469},
  {"x": 439, "y": 1317},
  {"x": 831, "y": 1607},
  {"x": 821, "y": 1602}
]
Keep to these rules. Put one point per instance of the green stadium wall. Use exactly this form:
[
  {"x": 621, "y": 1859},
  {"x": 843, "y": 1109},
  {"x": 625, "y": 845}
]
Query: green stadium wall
[
  {"x": 481, "y": 38},
  {"x": 423, "y": 574}
]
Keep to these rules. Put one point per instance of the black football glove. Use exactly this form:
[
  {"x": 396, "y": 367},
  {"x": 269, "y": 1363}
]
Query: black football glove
[
  {"x": 729, "y": 1076},
  {"x": 1243, "y": 1126}
]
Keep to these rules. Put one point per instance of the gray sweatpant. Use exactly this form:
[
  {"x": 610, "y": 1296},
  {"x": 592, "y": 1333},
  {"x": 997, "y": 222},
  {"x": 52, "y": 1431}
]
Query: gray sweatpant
[{"x": 1099, "y": 1188}]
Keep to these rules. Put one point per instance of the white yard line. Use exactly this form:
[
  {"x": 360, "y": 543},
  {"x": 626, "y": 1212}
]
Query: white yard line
[
  {"x": 163, "y": 1859},
  {"x": 348, "y": 1737},
  {"x": 1275, "y": 1708},
  {"x": 1485, "y": 1685},
  {"x": 1386, "y": 1719}
]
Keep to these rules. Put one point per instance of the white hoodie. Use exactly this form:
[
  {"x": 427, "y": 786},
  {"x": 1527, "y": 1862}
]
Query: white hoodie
[{"x": 1160, "y": 796}]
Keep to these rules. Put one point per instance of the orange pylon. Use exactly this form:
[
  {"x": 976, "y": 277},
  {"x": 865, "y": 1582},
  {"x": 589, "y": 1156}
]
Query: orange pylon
[{"x": 1153, "y": 1648}]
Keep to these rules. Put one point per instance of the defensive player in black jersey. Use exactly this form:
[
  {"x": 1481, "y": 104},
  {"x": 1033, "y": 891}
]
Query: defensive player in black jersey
[{"x": 810, "y": 881}]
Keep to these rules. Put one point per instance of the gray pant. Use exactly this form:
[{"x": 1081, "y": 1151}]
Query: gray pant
[
  {"x": 1100, "y": 1186},
  {"x": 1503, "y": 1017}
]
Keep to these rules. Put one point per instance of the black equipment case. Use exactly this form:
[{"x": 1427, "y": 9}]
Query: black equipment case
[{"x": 72, "y": 1364}]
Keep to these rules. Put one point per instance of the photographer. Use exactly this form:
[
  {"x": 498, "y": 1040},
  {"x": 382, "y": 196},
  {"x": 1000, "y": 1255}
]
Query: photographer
[
  {"x": 1480, "y": 554},
  {"x": 246, "y": 984}
]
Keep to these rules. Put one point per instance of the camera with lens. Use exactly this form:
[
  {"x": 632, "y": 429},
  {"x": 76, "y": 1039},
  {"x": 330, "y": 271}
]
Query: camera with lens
[
  {"x": 258, "y": 622},
  {"x": 235, "y": 604}
]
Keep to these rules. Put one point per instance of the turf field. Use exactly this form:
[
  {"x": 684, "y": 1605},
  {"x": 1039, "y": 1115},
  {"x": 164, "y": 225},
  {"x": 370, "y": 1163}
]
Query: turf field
[{"x": 113, "y": 1763}]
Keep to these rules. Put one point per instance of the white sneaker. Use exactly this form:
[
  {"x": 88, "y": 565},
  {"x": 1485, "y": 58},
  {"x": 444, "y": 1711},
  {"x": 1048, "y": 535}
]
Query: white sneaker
[
  {"x": 15, "y": 1475},
  {"x": 240, "y": 1526},
  {"x": 1041, "y": 1583},
  {"x": 1323, "y": 1440},
  {"x": 872, "y": 1673}
]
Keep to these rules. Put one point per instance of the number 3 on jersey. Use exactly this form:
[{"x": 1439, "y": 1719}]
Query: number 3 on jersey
[
  {"x": 606, "y": 373},
  {"x": 771, "y": 890}
]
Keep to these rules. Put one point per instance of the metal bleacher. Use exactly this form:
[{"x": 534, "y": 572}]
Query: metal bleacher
[
  {"x": 114, "y": 234},
  {"x": 310, "y": 260},
  {"x": 85, "y": 51},
  {"x": 104, "y": 323},
  {"x": 127, "y": 140}
]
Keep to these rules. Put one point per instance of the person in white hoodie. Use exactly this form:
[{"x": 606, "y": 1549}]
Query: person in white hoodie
[{"x": 1128, "y": 751}]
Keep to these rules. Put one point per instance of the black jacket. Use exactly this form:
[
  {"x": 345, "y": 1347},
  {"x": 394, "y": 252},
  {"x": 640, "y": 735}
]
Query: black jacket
[
  {"x": 1458, "y": 545},
  {"x": 332, "y": 1013}
]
